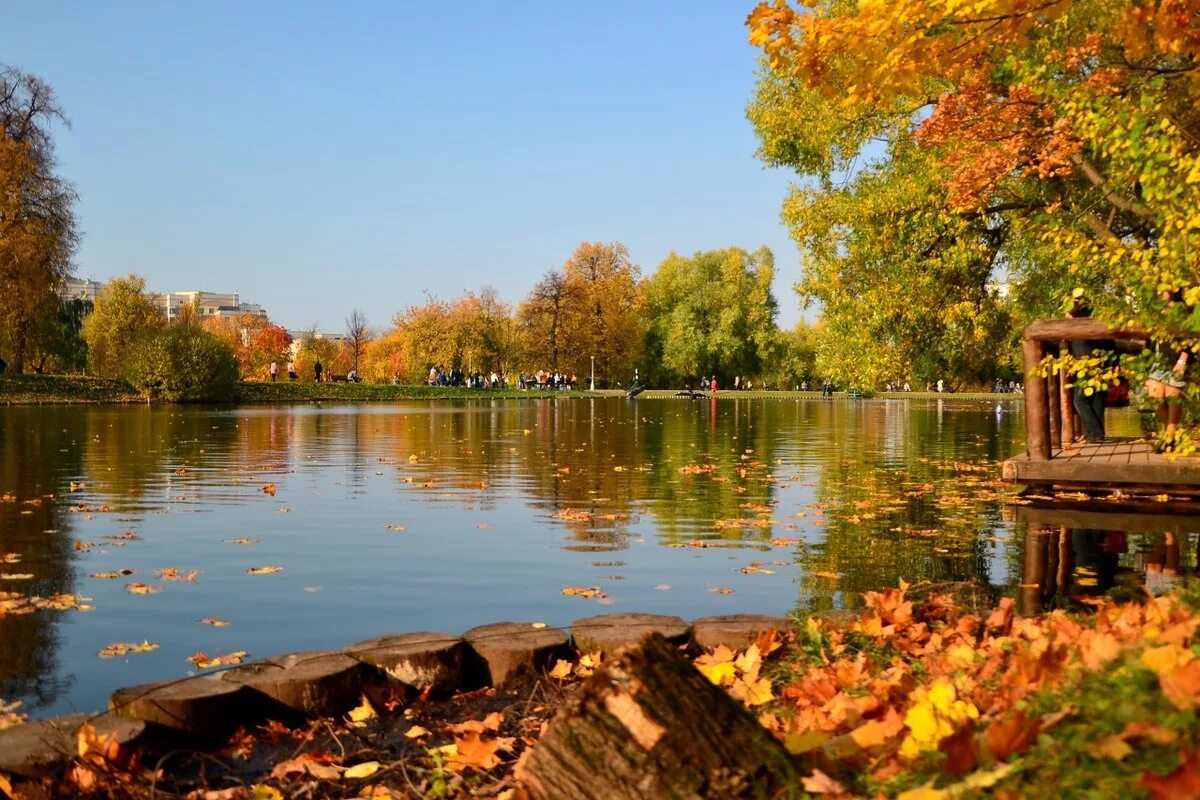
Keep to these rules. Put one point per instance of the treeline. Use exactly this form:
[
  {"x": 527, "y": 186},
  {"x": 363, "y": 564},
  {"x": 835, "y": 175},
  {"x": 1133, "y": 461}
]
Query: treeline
[{"x": 710, "y": 315}]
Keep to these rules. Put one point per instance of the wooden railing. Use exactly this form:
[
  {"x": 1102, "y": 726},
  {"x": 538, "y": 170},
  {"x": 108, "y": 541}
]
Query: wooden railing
[{"x": 1049, "y": 412}]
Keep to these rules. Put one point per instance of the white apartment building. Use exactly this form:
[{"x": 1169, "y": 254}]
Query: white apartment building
[
  {"x": 207, "y": 304},
  {"x": 79, "y": 288},
  {"x": 299, "y": 336}
]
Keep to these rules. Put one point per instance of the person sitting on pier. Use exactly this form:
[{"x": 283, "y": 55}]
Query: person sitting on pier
[
  {"x": 1165, "y": 384},
  {"x": 1090, "y": 407}
]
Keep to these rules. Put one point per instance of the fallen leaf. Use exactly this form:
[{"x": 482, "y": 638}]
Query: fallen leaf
[
  {"x": 416, "y": 732},
  {"x": 1184, "y": 782},
  {"x": 216, "y": 623},
  {"x": 241, "y": 540},
  {"x": 361, "y": 713},
  {"x": 269, "y": 489},
  {"x": 117, "y": 649},
  {"x": 268, "y": 570},
  {"x": 820, "y": 783},
  {"x": 204, "y": 661},
  {"x": 363, "y": 770},
  {"x": 1113, "y": 747},
  {"x": 142, "y": 588}
]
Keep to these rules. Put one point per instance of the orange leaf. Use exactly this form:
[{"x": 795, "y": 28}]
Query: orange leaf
[
  {"x": 1183, "y": 782},
  {"x": 1182, "y": 686},
  {"x": 1010, "y": 735}
]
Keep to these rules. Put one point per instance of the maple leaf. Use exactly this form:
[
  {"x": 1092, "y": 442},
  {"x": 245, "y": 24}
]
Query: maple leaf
[
  {"x": 318, "y": 765},
  {"x": 1012, "y": 734},
  {"x": 471, "y": 750}
]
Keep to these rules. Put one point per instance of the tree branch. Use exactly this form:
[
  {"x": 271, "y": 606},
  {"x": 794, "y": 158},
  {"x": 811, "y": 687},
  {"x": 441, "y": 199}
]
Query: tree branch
[{"x": 1100, "y": 182}]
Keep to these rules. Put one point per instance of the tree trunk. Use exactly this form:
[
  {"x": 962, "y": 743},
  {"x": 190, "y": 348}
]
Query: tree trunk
[{"x": 648, "y": 726}]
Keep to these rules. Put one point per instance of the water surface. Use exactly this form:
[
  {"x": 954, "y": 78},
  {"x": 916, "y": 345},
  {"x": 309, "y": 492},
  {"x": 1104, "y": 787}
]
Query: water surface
[{"x": 445, "y": 515}]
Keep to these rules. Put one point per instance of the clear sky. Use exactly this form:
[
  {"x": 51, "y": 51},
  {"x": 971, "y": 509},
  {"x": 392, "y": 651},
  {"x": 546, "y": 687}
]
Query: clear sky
[{"x": 319, "y": 156}]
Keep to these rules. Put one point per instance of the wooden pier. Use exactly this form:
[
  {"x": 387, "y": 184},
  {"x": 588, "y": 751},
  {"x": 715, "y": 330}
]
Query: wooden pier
[{"x": 1054, "y": 459}]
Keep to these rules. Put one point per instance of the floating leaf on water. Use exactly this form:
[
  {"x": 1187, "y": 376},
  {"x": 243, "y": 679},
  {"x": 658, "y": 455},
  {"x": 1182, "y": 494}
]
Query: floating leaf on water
[
  {"x": 215, "y": 622},
  {"x": 267, "y": 570},
  {"x": 176, "y": 574},
  {"x": 241, "y": 540},
  {"x": 117, "y": 649},
  {"x": 120, "y": 573},
  {"x": 142, "y": 588},
  {"x": 269, "y": 489},
  {"x": 205, "y": 661},
  {"x": 588, "y": 592}
]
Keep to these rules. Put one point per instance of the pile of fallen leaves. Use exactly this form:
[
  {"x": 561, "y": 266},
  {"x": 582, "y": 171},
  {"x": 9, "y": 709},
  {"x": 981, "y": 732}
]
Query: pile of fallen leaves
[
  {"x": 923, "y": 701},
  {"x": 916, "y": 699}
]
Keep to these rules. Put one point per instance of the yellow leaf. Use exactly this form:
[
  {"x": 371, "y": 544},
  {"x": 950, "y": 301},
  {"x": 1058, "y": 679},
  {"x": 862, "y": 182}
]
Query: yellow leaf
[
  {"x": 1167, "y": 658},
  {"x": 926, "y": 792},
  {"x": 1113, "y": 747},
  {"x": 717, "y": 673},
  {"x": 363, "y": 770},
  {"x": 800, "y": 743},
  {"x": 362, "y": 713},
  {"x": 416, "y": 732},
  {"x": 561, "y": 671},
  {"x": 260, "y": 791}
]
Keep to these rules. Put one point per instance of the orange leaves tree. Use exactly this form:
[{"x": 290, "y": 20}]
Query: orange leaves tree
[
  {"x": 255, "y": 341},
  {"x": 37, "y": 221},
  {"x": 1050, "y": 140}
]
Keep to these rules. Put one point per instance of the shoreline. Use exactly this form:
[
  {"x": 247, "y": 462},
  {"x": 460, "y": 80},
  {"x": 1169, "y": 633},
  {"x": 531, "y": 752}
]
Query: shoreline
[{"x": 37, "y": 390}]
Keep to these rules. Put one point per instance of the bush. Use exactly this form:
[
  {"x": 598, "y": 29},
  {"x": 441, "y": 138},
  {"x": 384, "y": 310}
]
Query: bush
[{"x": 182, "y": 363}]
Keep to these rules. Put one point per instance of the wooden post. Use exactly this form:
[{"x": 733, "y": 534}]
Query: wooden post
[
  {"x": 1033, "y": 573},
  {"x": 1054, "y": 384},
  {"x": 1037, "y": 418},
  {"x": 1068, "y": 407}
]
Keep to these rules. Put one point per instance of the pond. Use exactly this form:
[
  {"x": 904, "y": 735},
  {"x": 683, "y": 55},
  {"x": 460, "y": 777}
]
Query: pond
[{"x": 442, "y": 515}]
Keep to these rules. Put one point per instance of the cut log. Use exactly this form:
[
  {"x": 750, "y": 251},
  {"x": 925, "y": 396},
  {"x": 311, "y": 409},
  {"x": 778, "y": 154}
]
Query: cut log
[
  {"x": 501, "y": 652},
  {"x": 648, "y": 726},
  {"x": 426, "y": 660},
  {"x": 324, "y": 683},
  {"x": 38, "y": 749},
  {"x": 607, "y": 632},
  {"x": 206, "y": 707},
  {"x": 735, "y": 631}
]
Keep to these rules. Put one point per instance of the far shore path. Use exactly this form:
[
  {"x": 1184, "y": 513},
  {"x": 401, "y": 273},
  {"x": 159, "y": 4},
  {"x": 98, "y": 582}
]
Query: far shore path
[{"x": 71, "y": 390}]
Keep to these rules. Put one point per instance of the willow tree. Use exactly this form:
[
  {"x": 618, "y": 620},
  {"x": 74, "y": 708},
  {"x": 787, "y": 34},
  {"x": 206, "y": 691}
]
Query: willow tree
[
  {"x": 38, "y": 236},
  {"x": 711, "y": 314}
]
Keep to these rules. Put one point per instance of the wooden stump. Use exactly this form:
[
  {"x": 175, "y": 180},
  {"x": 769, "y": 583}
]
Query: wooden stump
[
  {"x": 325, "y": 683},
  {"x": 426, "y": 660},
  {"x": 607, "y": 632},
  {"x": 38, "y": 749},
  {"x": 648, "y": 726},
  {"x": 207, "y": 707},
  {"x": 503, "y": 651},
  {"x": 735, "y": 631}
]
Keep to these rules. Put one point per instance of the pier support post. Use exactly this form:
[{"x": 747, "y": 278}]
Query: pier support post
[{"x": 1037, "y": 417}]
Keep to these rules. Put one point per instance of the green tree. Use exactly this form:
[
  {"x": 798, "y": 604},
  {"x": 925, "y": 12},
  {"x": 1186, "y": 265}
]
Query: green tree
[
  {"x": 792, "y": 358},
  {"x": 183, "y": 362},
  {"x": 59, "y": 345},
  {"x": 123, "y": 312},
  {"x": 711, "y": 314}
]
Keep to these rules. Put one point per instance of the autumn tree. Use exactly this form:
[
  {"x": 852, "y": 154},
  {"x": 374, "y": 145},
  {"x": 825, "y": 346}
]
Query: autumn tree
[
  {"x": 711, "y": 314},
  {"x": 1057, "y": 143},
  {"x": 543, "y": 318},
  {"x": 358, "y": 334},
  {"x": 38, "y": 235},
  {"x": 123, "y": 313},
  {"x": 604, "y": 319},
  {"x": 254, "y": 340}
]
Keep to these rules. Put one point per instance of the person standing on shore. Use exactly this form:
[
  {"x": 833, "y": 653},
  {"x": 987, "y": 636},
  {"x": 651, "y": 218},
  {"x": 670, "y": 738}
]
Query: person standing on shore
[
  {"x": 273, "y": 370},
  {"x": 291, "y": 368},
  {"x": 317, "y": 370}
]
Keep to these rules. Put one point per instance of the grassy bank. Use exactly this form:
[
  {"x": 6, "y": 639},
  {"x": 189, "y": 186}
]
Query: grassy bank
[
  {"x": 60, "y": 389},
  {"x": 659, "y": 394}
]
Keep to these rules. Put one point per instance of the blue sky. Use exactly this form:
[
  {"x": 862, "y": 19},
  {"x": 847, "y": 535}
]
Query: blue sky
[{"x": 319, "y": 157}]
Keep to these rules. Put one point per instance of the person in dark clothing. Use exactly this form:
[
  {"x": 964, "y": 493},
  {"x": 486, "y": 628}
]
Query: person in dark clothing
[
  {"x": 1090, "y": 407},
  {"x": 317, "y": 369},
  {"x": 3, "y": 365}
]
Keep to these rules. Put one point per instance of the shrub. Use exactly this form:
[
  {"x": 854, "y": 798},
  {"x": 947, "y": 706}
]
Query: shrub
[{"x": 182, "y": 363}]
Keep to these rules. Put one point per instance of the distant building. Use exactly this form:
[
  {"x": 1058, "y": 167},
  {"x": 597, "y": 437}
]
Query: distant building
[
  {"x": 298, "y": 338},
  {"x": 207, "y": 304},
  {"x": 79, "y": 289}
]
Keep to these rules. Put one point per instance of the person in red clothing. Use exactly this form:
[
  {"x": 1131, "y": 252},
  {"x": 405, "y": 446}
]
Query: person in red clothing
[{"x": 713, "y": 385}]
